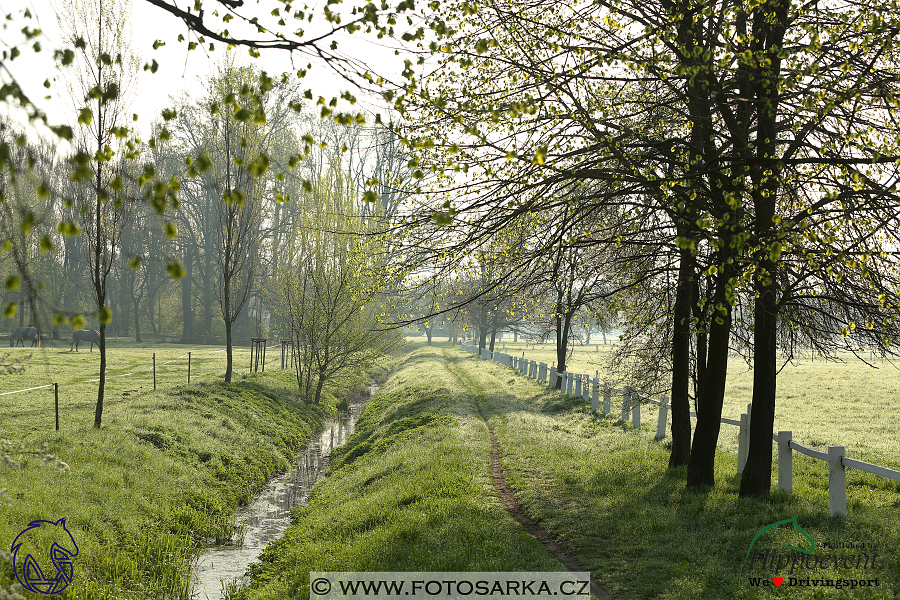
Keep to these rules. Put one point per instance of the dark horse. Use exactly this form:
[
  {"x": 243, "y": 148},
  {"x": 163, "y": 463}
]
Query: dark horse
[
  {"x": 25, "y": 333},
  {"x": 85, "y": 335}
]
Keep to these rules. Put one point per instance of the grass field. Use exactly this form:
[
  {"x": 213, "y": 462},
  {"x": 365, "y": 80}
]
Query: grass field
[
  {"x": 412, "y": 490},
  {"x": 412, "y": 493},
  {"x": 824, "y": 403},
  {"x": 129, "y": 371},
  {"x": 160, "y": 478}
]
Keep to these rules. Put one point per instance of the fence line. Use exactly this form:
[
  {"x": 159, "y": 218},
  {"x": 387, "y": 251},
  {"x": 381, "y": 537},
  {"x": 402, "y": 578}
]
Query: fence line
[
  {"x": 137, "y": 372},
  {"x": 581, "y": 386}
]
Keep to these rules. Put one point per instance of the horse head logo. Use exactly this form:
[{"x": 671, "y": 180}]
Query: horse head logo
[
  {"x": 792, "y": 521},
  {"x": 42, "y": 556}
]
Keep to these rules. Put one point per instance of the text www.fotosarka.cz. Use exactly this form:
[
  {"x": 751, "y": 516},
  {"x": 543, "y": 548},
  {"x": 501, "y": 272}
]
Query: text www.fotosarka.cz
[{"x": 447, "y": 585}]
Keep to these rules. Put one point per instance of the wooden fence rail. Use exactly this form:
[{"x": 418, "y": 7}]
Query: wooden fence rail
[{"x": 589, "y": 389}]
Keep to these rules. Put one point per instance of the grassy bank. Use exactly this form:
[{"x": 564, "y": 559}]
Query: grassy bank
[
  {"x": 411, "y": 492},
  {"x": 161, "y": 477}
]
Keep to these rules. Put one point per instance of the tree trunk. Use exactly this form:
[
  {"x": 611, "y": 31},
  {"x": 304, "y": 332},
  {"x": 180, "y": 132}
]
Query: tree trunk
[
  {"x": 226, "y": 310},
  {"x": 101, "y": 386},
  {"x": 137, "y": 320},
  {"x": 207, "y": 293},
  {"x": 319, "y": 387},
  {"x": 701, "y": 466},
  {"x": 187, "y": 315},
  {"x": 681, "y": 363},
  {"x": 757, "y": 477}
]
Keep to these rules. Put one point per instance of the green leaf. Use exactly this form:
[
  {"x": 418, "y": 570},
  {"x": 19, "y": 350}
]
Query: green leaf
[
  {"x": 47, "y": 244},
  {"x": 175, "y": 269},
  {"x": 104, "y": 314},
  {"x": 62, "y": 131}
]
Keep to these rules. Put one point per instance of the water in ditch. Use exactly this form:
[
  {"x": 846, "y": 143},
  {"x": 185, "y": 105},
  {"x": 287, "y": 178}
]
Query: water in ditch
[{"x": 266, "y": 518}]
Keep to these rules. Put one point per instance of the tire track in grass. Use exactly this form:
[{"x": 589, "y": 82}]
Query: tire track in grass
[{"x": 508, "y": 498}]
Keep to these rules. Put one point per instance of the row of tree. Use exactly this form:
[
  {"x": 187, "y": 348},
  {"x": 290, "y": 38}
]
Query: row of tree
[{"x": 733, "y": 163}]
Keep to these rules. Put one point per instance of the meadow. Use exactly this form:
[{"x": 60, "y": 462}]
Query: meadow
[
  {"x": 411, "y": 491},
  {"x": 129, "y": 371},
  {"x": 163, "y": 475},
  {"x": 843, "y": 402}
]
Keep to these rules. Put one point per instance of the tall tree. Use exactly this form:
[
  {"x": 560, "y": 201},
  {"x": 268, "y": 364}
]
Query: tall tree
[{"x": 103, "y": 78}]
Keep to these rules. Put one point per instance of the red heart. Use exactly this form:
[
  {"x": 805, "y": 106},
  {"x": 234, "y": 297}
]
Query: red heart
[{"x": 777, "y": 581}]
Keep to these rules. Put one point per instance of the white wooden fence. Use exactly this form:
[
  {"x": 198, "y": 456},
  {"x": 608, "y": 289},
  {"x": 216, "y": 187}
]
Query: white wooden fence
[{"x": 589, "y": 389}]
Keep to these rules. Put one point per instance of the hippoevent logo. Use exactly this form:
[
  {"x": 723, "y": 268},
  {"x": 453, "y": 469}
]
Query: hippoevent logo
[
  {"x": 770, "y": 566},
  {"x": 42, "y": 556}
]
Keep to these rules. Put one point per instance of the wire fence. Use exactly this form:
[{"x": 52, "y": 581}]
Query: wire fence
[{"x": 193, "y": 364}]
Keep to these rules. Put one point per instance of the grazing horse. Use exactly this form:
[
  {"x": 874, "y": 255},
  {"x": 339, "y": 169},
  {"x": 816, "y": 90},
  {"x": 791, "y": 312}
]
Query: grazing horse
[
  {"x": 85, "y": 335},
  {"x": 21, "y": 334}
]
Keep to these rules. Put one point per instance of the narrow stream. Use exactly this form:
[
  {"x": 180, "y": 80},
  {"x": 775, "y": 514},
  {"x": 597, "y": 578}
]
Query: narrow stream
[{"x": 268, "y": 515}]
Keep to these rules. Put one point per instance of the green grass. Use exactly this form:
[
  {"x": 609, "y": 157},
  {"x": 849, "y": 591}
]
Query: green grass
[
  {"x": 824, "y": 403},
  {"x": 606, "y": 493},
  {"x": 161, "y": 477},
  {"x": 411, "y": 492}
]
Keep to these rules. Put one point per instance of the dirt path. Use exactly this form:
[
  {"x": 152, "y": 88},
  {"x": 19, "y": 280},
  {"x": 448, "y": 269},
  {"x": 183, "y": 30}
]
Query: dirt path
[{"x": 509, "y": 502}]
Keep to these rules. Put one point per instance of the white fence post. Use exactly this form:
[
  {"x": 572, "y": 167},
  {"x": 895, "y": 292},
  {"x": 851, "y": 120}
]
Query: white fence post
[
  {"x": 552, "y": 379},
  {"x": 542, "y": 372},
  {"x": 626, "y": 397},
  {"x": 577, "y": 384},
  {"x": 785, "y": 462},
  {"x": 569, "y": 381},
  {"x": 587, "y": 388},
  {"x": 663, "y": 418},
  {"x": 595, "y": 402},
  {"x": 837, "y": 482},
  {"x": 635, "y": 410},
  {"x": 606, "y": 399}
]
